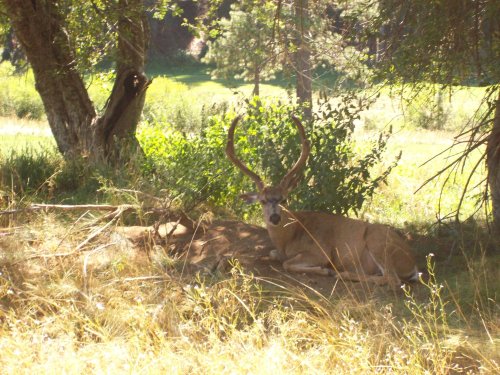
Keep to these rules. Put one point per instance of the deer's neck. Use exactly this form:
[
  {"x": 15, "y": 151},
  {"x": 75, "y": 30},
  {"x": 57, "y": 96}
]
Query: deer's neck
[{"x": 284, "y": 232}]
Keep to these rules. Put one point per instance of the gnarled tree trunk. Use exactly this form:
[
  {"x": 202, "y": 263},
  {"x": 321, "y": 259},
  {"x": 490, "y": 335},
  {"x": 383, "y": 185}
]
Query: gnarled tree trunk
[{"x": 77, "y": 127}]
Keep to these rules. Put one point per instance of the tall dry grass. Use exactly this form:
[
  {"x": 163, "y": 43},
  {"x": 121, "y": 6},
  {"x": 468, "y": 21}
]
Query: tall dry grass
[{"x": 109, "y": 308}]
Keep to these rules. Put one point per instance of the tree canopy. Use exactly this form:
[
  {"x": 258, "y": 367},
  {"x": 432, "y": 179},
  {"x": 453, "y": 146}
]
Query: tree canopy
[
  {"x": 449, "y": 42},
  {"x": 246, "y": 47}
]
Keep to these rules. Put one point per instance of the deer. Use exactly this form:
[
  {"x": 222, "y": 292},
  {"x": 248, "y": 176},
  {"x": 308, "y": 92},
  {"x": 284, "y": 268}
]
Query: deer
[{"x": 320, "y": 243}]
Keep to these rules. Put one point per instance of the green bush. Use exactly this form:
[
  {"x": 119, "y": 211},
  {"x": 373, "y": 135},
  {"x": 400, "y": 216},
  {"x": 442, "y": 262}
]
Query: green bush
[
  {"x": 428, "y": 110},
  {"x": 336, "y": 179},
  {"x": 191, "y": 167}
]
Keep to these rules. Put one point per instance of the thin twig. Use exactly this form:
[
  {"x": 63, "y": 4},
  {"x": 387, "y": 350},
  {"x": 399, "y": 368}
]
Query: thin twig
[
  {"x": 97, "y": 232},
  {"x": 88, "y": 207},
  {"x": 71, "y": 207}
]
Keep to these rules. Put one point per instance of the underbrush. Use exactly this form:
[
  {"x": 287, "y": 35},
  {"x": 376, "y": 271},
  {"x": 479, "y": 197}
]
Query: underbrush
[
  {"x": 29, "y": 175},
  {"x": 108, "y": 307}
]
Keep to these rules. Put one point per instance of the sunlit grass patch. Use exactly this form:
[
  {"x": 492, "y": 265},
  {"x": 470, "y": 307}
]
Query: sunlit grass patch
[
  {"x": 19, "y": 97},
  {"x": 412, "y": 195},
  {"x": 18, "y": 135},
  {"x": 424, "y": 106}
]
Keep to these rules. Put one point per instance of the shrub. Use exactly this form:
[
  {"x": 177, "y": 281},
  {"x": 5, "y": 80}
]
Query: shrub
[
  {"x": 428, "y": 110},
  {"x": 191, "y": 167},
  {"x": 336, "y": 179}
]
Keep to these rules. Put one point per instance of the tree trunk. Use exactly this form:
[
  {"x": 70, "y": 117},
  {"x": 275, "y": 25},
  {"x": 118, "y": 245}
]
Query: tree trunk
[
  {"x": 493, "y": 165},
  {"x": 256, "y": 82},
  {"x": 303, "y": 57},
  {"x": 78, "y": 130}
]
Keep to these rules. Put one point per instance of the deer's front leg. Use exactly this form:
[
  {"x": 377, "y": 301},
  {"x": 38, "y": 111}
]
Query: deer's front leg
[
  {"x": 275, "y": 255},
  {"x": 303, "y": 264}
]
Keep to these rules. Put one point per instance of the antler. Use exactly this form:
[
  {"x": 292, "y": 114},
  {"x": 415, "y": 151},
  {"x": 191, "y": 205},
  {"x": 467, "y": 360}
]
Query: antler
[
  {"x": 232, "y": 156},
  {"x": 290, "y": 179}
]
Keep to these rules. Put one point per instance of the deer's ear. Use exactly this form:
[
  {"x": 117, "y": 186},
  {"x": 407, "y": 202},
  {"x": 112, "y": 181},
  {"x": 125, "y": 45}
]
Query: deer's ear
[{"x": 250, "y": 198}]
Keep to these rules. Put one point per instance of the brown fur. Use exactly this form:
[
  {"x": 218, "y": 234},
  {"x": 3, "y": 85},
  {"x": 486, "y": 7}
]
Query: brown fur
[{"x": 327, "y": 244}]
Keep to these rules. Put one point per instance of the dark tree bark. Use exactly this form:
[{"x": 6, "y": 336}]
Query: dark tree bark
[
  {"x": 493, "y": 165},
  {"x": 78, "y": 129},
  {"x": 303, "y": 57},
  {"x": 256, "y": 82}
]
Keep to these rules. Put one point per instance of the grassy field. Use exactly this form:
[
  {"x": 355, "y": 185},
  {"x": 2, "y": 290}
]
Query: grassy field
[{"x": 70, "y": 305}]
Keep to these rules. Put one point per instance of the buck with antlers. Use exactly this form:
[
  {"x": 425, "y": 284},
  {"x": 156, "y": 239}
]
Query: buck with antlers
[{"x": 322, "y": 243}]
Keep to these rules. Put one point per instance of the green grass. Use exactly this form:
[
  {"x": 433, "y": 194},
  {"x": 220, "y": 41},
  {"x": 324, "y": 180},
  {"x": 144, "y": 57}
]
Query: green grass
[
  {"x": 19, "y": 97},
  {"x": 405, "y": 199},
  {"x": 427, "y": 107},
  {"x": 201, "y": 86},
  {"x": 33, "y": 143}
]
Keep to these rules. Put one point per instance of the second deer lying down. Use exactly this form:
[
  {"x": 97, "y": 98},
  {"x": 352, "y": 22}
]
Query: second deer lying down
[{"x": 322, "y": 243}]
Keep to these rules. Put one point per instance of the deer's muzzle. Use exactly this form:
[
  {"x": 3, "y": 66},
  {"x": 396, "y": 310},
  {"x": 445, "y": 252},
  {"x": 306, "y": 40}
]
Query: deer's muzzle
[{"x": 275, "y": 219}]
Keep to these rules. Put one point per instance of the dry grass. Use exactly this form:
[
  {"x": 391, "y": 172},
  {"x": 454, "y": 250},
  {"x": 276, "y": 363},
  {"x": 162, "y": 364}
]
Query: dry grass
[{"x": 112, "y": 309}]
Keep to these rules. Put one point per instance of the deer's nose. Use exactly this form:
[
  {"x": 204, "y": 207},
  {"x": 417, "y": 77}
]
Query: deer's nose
[{"x": 275, "y": 219}]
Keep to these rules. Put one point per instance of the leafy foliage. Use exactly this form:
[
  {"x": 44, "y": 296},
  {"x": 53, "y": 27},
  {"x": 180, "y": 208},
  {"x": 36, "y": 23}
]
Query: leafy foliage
[
  {"x": 260, "y": 39},
  {"x": 447, "y": 41},
  {"x": 336, "y": 179},
  {"x": 246, "y": 49},
  {"x": 91, "y": 26}
]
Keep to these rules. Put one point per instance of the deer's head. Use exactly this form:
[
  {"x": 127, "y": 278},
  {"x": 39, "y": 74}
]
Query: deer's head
[{"x": 271, "y": 198}]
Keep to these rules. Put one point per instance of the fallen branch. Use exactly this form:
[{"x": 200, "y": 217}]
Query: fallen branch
[
  {"x": 89, "y": 207},
  {"x": 69, "y": 207},
  {"x": 97, "y": 207}
]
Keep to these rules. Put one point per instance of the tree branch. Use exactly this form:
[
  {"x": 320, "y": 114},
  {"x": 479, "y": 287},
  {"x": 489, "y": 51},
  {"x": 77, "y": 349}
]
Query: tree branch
[{"x": 90, "y": 207}]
